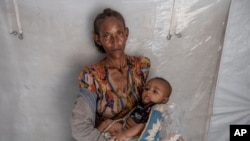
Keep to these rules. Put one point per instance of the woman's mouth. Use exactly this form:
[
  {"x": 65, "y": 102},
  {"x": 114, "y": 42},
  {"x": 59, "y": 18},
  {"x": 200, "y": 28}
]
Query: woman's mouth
[{"x": 116, "y": 50}]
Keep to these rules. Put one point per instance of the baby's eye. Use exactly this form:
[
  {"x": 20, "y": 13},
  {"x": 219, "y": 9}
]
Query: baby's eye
[
  {"x": 146, "y": 88},
  {"x": 155, "y": 92}
]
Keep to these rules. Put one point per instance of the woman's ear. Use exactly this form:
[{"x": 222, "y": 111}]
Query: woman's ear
[
  {"x": 126, "y": 32},
  {"x": 96, "y": 38}
]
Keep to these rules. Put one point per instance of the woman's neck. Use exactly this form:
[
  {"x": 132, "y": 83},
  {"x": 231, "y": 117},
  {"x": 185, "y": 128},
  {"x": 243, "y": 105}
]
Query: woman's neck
[{"x": 116, "y": 62}]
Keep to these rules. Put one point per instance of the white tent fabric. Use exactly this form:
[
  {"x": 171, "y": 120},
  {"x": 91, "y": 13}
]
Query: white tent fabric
[
  {"x": 232, "y": 95},
  {"x": 38, "y": 75}
]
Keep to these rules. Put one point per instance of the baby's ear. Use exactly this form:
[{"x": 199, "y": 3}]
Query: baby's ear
[
  {"x": 96, "y": 38},
  {"x": 165, "y": 100}
]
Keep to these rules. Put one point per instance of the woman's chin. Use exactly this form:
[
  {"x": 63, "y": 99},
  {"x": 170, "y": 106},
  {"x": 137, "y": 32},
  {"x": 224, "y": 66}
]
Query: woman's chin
[{"x": 117, "y": 55}]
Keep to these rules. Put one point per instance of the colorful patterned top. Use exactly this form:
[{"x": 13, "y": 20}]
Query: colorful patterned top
[{"x": 111, "y": 102}]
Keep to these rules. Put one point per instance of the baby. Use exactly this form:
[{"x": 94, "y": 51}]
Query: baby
[{"x": 156, "y": 91}]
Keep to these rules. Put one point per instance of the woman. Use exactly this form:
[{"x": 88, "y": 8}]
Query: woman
[{"x": 110, "y": 88}]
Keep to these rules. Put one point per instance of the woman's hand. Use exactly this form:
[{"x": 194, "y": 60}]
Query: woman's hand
[{"x": 119, "y": 136}]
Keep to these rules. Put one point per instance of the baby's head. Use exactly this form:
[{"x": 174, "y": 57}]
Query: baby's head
[{"x": 157, "y": 90}]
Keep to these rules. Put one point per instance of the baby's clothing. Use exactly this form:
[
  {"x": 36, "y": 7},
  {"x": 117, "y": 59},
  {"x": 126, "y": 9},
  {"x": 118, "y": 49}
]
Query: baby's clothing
[{"x": 141, "y": 113}]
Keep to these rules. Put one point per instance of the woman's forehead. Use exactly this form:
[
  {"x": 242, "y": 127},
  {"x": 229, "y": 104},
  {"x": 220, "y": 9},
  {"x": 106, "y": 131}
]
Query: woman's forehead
[{"x": 110, "y": 21}]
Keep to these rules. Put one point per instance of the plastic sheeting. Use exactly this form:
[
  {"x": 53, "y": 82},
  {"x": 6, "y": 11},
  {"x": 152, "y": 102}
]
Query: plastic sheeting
[
  {"x": 38, "y": 75},
  {"x": 232, "y": 98}
]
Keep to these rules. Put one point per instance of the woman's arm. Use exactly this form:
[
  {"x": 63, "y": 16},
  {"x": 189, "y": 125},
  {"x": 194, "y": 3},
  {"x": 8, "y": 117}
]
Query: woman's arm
[
  {"x": 103, "y": 125},
  {"x": 129, "y": 133},
  {"x": 83, "y": 119}
]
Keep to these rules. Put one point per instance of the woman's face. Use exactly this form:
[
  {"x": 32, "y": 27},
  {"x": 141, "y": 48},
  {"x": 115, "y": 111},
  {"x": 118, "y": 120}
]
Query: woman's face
[{"x": 112, "y": 36}]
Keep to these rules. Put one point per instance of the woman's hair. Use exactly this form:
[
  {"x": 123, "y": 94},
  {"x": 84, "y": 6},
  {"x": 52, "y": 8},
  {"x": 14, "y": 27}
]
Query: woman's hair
[{"x": 100, "y": 17}]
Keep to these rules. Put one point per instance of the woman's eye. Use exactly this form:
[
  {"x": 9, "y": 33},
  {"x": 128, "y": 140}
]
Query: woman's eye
[
  {"x": 120, "y": 34},
  {"x": 107, "y": 36}
]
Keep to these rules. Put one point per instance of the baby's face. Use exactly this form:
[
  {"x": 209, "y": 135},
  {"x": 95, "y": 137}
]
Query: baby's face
[{"x": 155, "y": 91}]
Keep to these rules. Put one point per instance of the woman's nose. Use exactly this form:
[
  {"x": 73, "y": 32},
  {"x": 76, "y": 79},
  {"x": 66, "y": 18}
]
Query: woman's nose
[{"x": 114, "y": 40}]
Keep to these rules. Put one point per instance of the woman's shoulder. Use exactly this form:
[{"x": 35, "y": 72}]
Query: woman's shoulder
[
  {"x": 88, "y": 68},
  {"x": 93, "y": 69},
  {"x": 139, "y": 59}
]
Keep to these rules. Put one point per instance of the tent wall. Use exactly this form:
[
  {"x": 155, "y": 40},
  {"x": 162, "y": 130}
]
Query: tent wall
[
  {"x": 38, "y": 74},
  {"x": 232, "y": 95}
]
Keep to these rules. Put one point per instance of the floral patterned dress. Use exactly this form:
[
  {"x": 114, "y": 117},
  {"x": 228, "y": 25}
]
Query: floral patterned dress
[{"x": 112, "y": 102}]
